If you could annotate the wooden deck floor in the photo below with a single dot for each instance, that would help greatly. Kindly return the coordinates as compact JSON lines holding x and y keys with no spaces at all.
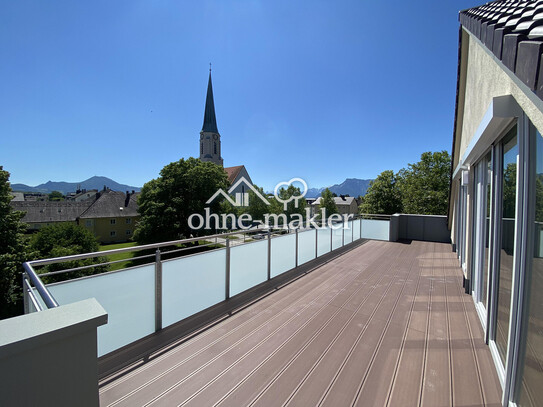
{"x":386,"y":324}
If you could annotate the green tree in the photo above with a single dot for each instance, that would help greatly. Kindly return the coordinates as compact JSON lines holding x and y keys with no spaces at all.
{"x":510,"y":190}
{"x":278,"y":206}
{"x":181,"y":190}
{"x":257,"y":208}
{"x":327,"y":202}
{"x":425,"y":184}
{"x":56,"y":196}
{"x":66,"y":239}
{"x":383,"y":195}
{"x":13,"y":252}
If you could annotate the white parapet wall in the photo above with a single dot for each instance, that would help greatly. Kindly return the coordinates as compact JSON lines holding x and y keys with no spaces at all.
{"x":49,"y":358}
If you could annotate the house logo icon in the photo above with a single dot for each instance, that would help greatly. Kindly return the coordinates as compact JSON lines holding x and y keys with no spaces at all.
{"x":241,"y":198}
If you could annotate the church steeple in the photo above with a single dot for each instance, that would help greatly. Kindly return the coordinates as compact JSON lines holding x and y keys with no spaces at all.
{"x":210,"y":121}
{"x":210,"y":139}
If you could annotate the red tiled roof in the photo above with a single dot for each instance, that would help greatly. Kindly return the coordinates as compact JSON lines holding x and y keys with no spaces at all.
{"x":233,"y":172}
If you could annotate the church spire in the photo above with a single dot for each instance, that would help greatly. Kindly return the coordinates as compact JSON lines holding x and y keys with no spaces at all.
{"x":210,"y":122}
{"x":210,"y":139}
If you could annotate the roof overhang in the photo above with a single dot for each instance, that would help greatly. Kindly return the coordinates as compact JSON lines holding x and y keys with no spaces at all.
{"x":501,"y":112}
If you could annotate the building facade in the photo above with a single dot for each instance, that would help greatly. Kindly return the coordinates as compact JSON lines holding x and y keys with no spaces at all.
{"x":496,"y":200}
{"x":113,"y":217}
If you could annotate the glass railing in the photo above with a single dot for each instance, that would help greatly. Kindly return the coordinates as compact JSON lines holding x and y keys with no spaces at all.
{"x":145,"y":298}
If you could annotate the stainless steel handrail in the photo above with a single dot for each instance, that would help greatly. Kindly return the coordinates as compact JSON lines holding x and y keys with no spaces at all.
{"x":50,"y":301}
{"x":46,"y":296}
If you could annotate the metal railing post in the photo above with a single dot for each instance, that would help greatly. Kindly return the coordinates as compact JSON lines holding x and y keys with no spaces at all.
{"x":316,"y":242}
{"x":25,"y":294}
{"x":361,"y":227}
{"x":352,"y":231}
{"x":158,"y":291}
{"x":227,"y":271}
{"x":343,"y":233}
{"x":269,"y":254}
{"x":296,"y":256}
{"x":331,"y":237}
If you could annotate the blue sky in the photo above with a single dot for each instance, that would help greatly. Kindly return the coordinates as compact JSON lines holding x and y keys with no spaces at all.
{"x":322,"y":90}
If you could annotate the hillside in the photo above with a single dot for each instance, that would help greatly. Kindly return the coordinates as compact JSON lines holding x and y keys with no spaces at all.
{"x":95,"y":182}
{"x":351,"y":186}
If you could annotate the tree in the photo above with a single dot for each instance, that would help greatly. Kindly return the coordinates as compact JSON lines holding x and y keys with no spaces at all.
{"x":327,"y":202}
{"x":425,"y":184}
{"x":181,"y":190}
{"x":510,"y":190}
{"x":56,"y":196}
{"x":256,"y":208}
{"x":383,"y":195}
{"x":13,"y":252}
{"x":66,"y":239}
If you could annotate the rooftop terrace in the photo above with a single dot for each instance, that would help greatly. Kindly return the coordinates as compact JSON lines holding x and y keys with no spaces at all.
{"x":383,"y":324}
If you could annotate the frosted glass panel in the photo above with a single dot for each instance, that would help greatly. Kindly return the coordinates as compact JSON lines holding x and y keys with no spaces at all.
{"x":356,"y":229}
{"x":128,"y":297}
{"x":337,"y":237}
{"x":283,"y":254}
{"x":306,"y":246}
{"x":248,"y":266}
{"x":192,"y":284}
{"x":375,"y":229}
{"x":323,"y":241}
{"x":349,"y":232}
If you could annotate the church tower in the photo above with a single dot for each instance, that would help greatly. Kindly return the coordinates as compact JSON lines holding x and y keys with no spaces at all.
{"x":210,"y":139}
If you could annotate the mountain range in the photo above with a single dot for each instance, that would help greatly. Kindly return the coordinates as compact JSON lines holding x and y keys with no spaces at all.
{"x":95,"y":182}
{"x":351,"y":186}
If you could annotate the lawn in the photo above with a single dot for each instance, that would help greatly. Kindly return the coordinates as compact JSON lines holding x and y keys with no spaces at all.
{"x":119,"y":256}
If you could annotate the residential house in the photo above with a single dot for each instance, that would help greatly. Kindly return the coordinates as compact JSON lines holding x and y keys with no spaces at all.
{"x":496,"y":199}
{"x":18,"y":196}
{"x":112,"y":217}
{"x":345,"y":205}
{"x":44,"y":213}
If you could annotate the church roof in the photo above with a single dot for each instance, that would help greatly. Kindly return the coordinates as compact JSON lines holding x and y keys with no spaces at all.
{"x":210,"y":121}
{"x":233,"y":172}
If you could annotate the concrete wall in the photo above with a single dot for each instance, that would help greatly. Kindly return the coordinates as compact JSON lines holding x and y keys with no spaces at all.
{"x":49,"y":358}
{"x":430,"y":228}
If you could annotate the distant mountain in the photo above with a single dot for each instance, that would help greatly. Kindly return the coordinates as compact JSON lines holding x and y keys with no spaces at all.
{"x":351,"y":186}
{"x":67,"y":187}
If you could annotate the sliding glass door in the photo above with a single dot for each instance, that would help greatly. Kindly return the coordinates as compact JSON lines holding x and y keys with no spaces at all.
{"x":530,"y":385}
{"x":481,"y":232}
{"x":505,"y":264}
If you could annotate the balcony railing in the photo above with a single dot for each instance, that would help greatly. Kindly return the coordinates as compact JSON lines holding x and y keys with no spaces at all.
{"x":143,"y":299}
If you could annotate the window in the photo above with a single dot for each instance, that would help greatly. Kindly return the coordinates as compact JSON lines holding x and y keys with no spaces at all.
{"x":112,"y":221}
{"x":128,"y":221}
{"x":481,"y":227}
{"x":88,"y":223}
{"x":508,"y":222}
{"x":112,"y":233}
{"x":215,"y":147}
{"x":530,"y":391}
{"x":201,"y":148}
{"x":128,"y":232}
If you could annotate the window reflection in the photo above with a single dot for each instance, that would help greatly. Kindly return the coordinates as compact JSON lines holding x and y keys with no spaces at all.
{"x":509,"y":195}
{"x":531,"y":387}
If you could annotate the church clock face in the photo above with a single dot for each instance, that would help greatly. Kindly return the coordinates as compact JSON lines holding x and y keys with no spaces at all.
{"x":215,"y":137}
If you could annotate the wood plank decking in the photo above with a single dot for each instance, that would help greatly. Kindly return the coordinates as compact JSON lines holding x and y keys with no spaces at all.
{"x":386,"y":324}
